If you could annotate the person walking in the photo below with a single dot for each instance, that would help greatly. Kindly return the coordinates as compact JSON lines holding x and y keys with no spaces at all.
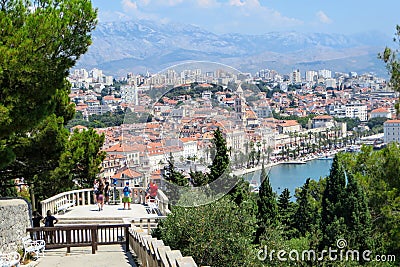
{"x":127,"y":196}
{"x":100,"y":195}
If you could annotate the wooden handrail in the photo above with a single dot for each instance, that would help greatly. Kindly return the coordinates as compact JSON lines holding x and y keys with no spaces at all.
{"x":82,"y":235}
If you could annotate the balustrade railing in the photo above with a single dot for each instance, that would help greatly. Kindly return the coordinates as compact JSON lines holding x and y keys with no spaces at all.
{"x":81,"y":235}
{"x":150,"y":252}
{"x":84,"y":197}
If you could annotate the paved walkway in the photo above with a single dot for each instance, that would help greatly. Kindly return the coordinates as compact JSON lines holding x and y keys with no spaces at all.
{"x":109,"y":211}
{"x":106,"y":256}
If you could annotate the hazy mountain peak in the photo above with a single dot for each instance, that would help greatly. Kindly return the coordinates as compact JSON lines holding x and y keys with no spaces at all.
{"x":119,"y":47}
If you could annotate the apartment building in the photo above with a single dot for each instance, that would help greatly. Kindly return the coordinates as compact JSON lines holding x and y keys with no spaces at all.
{"x":391,"y":130}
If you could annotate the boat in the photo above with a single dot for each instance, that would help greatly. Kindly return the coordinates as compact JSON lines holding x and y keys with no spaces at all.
{"x":353,"y":148}
{"x":326,"y":158}
{"x":254,"y":186}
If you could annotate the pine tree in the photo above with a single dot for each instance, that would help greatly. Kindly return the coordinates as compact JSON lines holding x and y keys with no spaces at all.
{"x":267,"y":206}
{"x":82,"y":158}
{"x":332,"y":221}
{"x":40,"y":42}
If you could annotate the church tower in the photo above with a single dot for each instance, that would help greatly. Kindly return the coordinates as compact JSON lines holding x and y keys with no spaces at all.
{"x":240,"y":105}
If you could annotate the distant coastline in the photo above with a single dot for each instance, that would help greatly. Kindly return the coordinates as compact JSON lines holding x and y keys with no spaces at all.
{"x":271,"y":164}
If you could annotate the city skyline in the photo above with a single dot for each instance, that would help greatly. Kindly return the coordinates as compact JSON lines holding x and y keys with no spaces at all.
{"x":257,"y":17}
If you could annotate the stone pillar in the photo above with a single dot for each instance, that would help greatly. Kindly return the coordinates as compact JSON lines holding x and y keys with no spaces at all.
{"x":16,"y":217}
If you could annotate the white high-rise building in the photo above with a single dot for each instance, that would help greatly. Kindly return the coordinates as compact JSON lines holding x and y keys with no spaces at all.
{"x":311,"y":76}
{"x":325,"y":74}
{"x":96,"y":74}
{"x":129,"y":94}
{"x":330,"y":83}
{"x":296,"y":76}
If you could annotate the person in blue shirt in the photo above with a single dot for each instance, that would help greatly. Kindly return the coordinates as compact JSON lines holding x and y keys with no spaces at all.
{"x":127,"y":199}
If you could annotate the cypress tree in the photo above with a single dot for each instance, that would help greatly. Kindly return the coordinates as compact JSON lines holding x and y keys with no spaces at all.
{"x":175,"y":180}
{"x":267,"y":206}
{"x":357,"y":216}
{"x":332,"y":221}
{"x":305,"y":215}
{"x":220,"y":162}
{"x":284,"y":200}
{"x":173,"y":176}
{"x":219,"y":178}
{"x":286,"y":212}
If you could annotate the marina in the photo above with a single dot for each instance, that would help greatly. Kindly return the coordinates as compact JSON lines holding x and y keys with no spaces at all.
{"x":291,"y":176}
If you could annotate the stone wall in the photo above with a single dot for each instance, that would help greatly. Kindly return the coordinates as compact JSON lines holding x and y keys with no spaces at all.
{"x":15,"y":218}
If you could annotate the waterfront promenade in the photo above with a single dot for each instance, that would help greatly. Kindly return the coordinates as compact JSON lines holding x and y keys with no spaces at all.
{"x":267,"y":166}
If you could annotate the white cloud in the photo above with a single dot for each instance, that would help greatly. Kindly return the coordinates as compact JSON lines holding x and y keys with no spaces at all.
{"x":128,"y":5}
{"x":207,"y":3}
{"x":174,"y":2}
{"x":236,"y":3}
{"x":322,"y":17}
{"x":245,"y":3}
{"x":253,"y":3}
{"x":144,"y":2}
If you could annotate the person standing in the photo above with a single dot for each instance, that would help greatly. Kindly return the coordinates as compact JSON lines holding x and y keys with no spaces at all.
{"x":49,"y":220}
{"x":95,"y":189}
{"x":127,"y":196}
{"x":100,"y":195}
{"x":107,"y":193}
{"x":37,"y":218}
{"x":151,"y":191}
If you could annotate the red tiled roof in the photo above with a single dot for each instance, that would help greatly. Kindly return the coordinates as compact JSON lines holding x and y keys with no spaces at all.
{"x":380,"y":110}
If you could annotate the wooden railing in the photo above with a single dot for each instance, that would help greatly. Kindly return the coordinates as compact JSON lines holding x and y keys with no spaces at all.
{"x":86,"y":197}
{"x":81,"y":235}
{"x":150,"y":251}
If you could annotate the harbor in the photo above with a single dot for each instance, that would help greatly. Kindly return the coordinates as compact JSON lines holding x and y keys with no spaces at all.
{"x":290,"y":174}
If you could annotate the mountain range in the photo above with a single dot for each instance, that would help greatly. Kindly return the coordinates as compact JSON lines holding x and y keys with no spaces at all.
{"x":143,"y":45}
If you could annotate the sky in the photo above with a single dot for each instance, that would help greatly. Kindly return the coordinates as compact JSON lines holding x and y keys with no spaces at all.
{"x":258,"y":17}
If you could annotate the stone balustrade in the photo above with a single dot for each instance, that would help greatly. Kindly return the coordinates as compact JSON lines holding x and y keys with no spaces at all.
{"x":152,"y":252}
